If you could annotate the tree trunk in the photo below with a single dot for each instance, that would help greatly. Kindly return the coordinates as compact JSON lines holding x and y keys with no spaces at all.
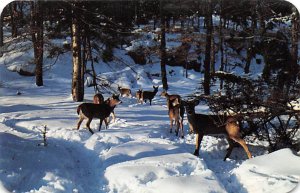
{"x":163,"y":59}
{"x":260,"y":13}
{"x":221,"y":41}
{"x":1,"y":31}
{"x":1,"y":35}
{"x":37,"y":40}
{"x":13,"y":15}
{"x":294,"y":48}
{"x":77,"y":81}
{"x":250,"y":53}
{"x":208,"y":21}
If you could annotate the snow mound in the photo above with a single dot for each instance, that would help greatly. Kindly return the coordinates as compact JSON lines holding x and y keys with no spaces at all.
{"x":165,"y":173}
{"x":276,"y":172}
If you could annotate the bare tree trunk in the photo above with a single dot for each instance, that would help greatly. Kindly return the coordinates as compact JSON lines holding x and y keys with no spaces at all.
{"x":260,"y":13}
{"x":13,"y":15}
{"x":221,"y":41}
{"x":37,"y":39}
{"x":208,"y":21}
{"x":250,"y":53}
{"x":163,"y":59}
{"x":294,"y":49}
{"x":212,"y":54}
{"x":1,"y":35}
{"x":96,"y":89}
{"x":77,"y":81}
{"x":1,"y":31}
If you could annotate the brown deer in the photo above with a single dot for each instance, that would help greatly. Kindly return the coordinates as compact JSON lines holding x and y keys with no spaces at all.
{"x":172,"y":98}
{"x":174,"y":115}
{"x":107,"y":101}
{"x":202,"y":124}
{"x":149,"y":95}
{"x":124,"y":91}
{"x":138,"y":95}
{"x":101,"y":111}
{"x":98,"y":98}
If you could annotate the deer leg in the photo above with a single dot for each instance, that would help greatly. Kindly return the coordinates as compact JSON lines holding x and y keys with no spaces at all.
{"x":199,"y":137}
{"x":181,"y":129}
{"x":101,"y":120}
{"x":243,"y":144}
{"x":171,"y":125}
{"x":79,"y":122}
{"x":177,"y":127}
{"x":230,"y":148}
{"x":106,"y":123}
{"x":150,"y":101}
{"x":113,"y":116}
{"x":88,"y":125}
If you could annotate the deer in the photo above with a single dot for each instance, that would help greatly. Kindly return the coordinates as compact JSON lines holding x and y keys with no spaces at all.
{"x":174,"y":115}
{"x":149,"y":95}
{"x":172,"y":98}
{"x":98,"y":98}
{"x":202,"y":124}
{"x":124,"y":91}
{"x":101,"y":111}
{"x":138,"y":95}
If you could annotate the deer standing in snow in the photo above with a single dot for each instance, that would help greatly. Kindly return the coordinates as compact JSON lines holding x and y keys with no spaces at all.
{"x":124,"y":91}
{"x":101,"y":111}
{"x":149,"y":95}
{"x":174,"y":115}
{"x":202,"y":124}
{"x":138,"y":95}
{"x":180,"y":107}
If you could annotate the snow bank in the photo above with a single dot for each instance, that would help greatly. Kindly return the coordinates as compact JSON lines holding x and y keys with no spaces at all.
{"x":276,"y":172}
{"x":180,"y":172}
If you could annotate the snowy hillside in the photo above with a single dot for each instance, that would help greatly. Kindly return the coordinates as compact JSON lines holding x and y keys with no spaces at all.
{"x":135,"y":154}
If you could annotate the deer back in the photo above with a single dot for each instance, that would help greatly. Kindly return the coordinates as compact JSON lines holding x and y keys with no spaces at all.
{"x":124,"y":91}
{"x":202,"y":123}
{"x":91,"y":110}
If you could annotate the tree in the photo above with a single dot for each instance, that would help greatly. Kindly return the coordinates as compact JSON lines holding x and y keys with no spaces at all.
{"x":208,"y":21}
{"x":1,"y":34}
{"x":77,"y":76}
{"x":37,"y":39}
{"x":163,"y":59}
{"x":294,"y":40}
{"x":13,"y":18}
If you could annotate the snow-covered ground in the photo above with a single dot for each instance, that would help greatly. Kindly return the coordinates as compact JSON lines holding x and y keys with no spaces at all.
{"x":135,"y":154}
